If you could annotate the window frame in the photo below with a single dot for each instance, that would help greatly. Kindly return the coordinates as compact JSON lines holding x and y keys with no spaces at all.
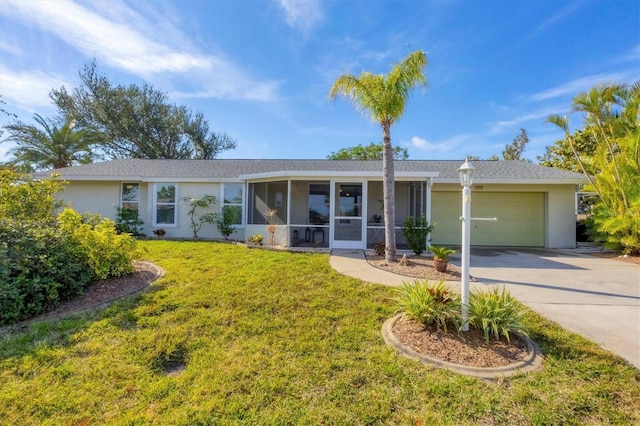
{"x":224,"y":204}
{"x":156,"y":187}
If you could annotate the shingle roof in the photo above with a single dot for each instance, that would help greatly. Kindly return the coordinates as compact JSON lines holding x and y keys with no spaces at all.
{"x":486,"y":171}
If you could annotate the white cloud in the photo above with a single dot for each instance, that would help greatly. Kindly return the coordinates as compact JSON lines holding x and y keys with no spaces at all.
{"x":124,"y":39}
{"x":443,"y":147}
{"x":537,"y":116}
{"x":27,"y":90}
{"x":302,"y":14}
{"x":580,"y":85}
{"x":556,"y":17}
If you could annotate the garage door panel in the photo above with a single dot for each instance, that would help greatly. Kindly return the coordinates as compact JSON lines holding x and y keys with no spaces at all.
{"x":520,"y":218}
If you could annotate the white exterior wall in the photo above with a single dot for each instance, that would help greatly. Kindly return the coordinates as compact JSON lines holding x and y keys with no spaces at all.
{"x":561,"y":217}
{"x":103,"y":198}
{"x":95,"y":197}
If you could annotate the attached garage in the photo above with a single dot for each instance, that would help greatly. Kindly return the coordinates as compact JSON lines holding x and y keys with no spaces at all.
{"x":521,"y":218}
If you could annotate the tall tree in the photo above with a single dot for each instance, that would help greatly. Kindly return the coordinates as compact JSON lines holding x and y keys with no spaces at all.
{"x":373,"y":151}
{"x":139,"y":121}
{"x":613,"y":170}
{"x":561,"y":156}
{"x":383,"y":99}
{"x":516,"y":148}
{"x":52,"y":145}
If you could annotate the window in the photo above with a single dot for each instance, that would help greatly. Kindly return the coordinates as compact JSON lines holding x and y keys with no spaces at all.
{"x":319,"y":204}
{"x":130,"y":198}
{"x":165,"y":204}
{"x":232,"y":200}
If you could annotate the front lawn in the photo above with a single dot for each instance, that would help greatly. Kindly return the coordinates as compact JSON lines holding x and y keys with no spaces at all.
{"x":280,"y":338}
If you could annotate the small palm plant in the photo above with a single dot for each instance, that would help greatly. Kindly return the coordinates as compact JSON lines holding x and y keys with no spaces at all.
{"x":496,"y":312}
{"x":429,"y":303}
{"x":441,"y":257}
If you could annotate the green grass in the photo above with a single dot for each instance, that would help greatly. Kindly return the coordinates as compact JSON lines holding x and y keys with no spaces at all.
{"x":280,"y":338}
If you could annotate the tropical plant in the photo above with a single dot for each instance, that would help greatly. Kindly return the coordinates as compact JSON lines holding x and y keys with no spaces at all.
{"x":271,"y":228}
{"x":373,"y":151}
{"x":429,"y":303}
{"x":496,"y":312}
{"x":383,"y":99}
{"x":613,"y":170}
{"x":224,"y":221}
{"x":52,"y":146}
{"x":442,"y":253}
{"x":415,"y":231}
{"x":204,"y":202}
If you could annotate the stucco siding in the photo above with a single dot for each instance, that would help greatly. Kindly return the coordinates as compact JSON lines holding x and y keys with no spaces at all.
{"x":95,"y":197}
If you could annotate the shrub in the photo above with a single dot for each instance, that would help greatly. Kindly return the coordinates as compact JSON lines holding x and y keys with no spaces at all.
{"x":128,"y":222}
{"x":429,"y":303}
{"x":108,"y":253}
{"x":379,"y":248}
{"x":26,"y":199}
{"x":160,"y":232}
{"x":415,"y":231}
{"x":224,"y":221}
{"x":496,"y":312}
{"x":255,"y":239}
{"x":40,"y":266}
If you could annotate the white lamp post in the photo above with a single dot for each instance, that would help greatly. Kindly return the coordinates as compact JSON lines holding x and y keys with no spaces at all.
{"x":466,"y":179}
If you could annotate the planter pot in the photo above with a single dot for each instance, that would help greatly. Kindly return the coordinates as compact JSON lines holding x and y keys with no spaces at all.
{"x":440,"y":265}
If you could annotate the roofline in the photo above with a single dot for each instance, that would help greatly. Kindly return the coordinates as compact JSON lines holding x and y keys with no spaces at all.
{"x":547,"y":181}
{"x":332,"y":174}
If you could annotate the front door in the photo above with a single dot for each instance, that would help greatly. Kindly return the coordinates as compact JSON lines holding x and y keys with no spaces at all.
{"x":347,"y":216}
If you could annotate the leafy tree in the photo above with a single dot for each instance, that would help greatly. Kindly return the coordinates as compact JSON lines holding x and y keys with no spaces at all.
{"x":54,"y":145}
{"x":383,"y":99}
{"x":372,"y":151}
{"x":512,"y":151}
{"x":560,"y":155}
{"x":613,"y":171}
{"x":515,"y":150}
{"x":138,"y":121}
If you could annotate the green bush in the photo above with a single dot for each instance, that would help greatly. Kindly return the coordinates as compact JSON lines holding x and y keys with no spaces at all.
{"x":429,"y":303}
{"x":224,"y":221}
{"x":415,"y":231}
{"x":496,"y":312}
{"x":40,"y":266}
{"x":108,"y":253}
{"x":255,"y":239}
{"x":25,"y":199}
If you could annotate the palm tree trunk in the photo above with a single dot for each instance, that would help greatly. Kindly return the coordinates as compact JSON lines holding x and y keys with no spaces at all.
{"x":388,"y":187}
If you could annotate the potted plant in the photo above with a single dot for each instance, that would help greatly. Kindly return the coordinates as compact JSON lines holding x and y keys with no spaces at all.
{"x":441,"y":257}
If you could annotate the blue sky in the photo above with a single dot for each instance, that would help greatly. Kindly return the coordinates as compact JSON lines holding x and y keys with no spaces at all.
{"x":261,"y":70}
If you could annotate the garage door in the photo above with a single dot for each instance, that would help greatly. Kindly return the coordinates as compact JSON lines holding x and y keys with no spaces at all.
{"x":520,"y":218}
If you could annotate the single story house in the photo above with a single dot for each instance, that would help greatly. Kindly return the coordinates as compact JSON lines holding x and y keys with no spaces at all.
{"x":334,"y":204}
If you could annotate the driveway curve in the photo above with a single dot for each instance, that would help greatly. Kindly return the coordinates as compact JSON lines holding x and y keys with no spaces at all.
{"x":598,"y":298}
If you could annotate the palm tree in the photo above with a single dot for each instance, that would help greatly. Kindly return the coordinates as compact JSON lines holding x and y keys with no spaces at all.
{"x":383,"y":98}
{"x":51,"y":147}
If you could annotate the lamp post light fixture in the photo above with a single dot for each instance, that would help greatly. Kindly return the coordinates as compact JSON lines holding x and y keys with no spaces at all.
{"x":466,"y":172}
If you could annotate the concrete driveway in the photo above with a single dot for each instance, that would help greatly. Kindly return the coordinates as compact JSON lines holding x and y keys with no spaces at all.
{"x":597,"y":298}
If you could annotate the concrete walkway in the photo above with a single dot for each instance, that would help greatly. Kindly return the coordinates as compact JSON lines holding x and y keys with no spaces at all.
{"x":597,"y":298}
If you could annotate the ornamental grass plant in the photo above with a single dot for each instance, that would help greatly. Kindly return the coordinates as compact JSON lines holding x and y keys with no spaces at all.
{"x":496,"y":313}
